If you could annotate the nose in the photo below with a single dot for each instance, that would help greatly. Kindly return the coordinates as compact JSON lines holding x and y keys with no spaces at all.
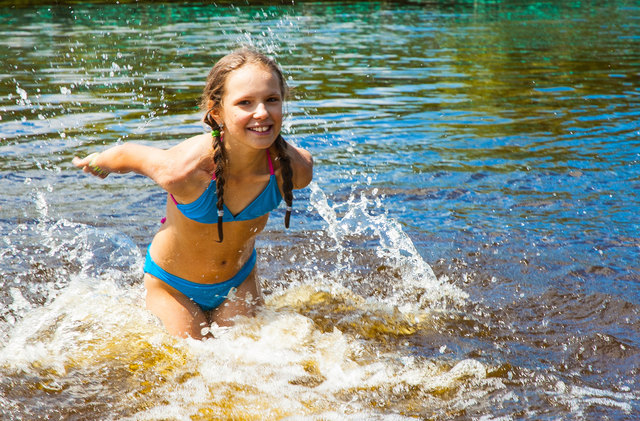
{"x":260,"y":111}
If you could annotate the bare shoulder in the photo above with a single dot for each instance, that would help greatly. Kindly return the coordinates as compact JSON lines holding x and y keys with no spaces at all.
{"x":301,"y":165}
{"x":191,"y":149}
{"x":188,"y":161}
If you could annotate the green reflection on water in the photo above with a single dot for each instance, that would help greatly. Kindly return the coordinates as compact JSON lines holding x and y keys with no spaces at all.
{"x":448,"y":72}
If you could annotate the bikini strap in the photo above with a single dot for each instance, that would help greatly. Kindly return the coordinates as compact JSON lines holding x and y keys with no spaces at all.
{"x":163,"y":220}
{"x":270,"y":163}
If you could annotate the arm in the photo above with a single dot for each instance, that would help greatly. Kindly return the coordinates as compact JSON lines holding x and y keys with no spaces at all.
{"x":129,"y":157}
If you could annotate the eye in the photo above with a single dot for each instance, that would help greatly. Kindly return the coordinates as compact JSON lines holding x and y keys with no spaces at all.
{"x":273,"y":99}
{"x":244,"y":102}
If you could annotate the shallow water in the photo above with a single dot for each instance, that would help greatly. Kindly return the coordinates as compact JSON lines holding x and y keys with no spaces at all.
{"x":468,"y":248}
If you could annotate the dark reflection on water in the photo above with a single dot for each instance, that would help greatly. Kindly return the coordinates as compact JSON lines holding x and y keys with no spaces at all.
{"x":503,"y":136}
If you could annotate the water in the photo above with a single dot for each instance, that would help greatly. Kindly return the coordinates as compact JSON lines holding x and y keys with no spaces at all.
{"x":468,"y":248}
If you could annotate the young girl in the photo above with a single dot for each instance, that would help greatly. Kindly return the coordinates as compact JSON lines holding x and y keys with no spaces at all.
{"x":200,"y":266}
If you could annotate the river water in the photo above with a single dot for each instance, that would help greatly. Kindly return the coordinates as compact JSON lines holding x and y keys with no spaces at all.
{"x":468,"y":249}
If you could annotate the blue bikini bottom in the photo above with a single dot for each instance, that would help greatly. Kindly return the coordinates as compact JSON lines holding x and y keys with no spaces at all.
{"x":207,"y":296}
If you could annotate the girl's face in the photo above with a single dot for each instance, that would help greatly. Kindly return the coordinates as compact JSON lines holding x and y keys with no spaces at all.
{"x":251,"y":106}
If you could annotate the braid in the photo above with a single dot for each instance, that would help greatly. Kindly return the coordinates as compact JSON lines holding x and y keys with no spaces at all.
{"x":220,"y":159}
{"x":287,"y":176}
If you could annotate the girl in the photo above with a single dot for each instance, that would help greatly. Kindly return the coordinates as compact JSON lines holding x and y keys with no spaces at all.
{"x":200,"y":266}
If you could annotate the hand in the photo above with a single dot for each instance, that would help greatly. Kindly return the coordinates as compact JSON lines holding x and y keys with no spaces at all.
{"x":88,"y":164}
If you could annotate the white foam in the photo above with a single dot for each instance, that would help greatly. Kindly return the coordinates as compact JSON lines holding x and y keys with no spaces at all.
{"x":279,"y":365}
{"x":581,"y":398}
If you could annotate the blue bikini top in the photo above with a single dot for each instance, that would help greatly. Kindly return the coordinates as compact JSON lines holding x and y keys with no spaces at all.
{"x":204,"y":208}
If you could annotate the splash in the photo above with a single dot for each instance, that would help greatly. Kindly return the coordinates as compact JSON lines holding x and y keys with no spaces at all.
{"x":288,"y":361}
{"x":33,"y":274}
{"x":414,"y":285}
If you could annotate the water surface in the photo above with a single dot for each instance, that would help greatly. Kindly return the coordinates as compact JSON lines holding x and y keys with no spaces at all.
{"x":468,"y":248}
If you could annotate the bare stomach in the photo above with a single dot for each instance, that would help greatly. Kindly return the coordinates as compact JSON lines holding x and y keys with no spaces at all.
{"x":191,"y":250}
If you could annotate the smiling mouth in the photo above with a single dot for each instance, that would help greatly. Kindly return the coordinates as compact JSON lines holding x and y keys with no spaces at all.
{"x":260,"y":129}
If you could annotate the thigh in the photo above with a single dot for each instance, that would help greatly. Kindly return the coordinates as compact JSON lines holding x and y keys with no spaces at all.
{"x":180,"y":316}
{"x":241,"y":303}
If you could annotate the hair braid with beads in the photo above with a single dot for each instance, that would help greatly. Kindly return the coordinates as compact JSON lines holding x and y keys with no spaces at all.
{"x":212,"y":100}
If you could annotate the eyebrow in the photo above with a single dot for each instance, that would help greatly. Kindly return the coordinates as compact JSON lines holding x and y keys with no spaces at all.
{"x":252,"y":96}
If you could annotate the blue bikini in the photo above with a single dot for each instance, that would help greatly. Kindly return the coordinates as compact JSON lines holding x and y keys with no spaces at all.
{"x":207,"y":296}
{"x":204,"y":210}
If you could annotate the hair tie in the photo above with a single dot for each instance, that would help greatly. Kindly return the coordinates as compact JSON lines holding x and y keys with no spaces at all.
{"x":221,"y":212}
{"x":215,"y":133}
{"x":96,"y":169}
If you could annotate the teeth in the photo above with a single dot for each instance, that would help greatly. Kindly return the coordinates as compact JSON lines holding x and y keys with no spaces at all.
{"x":260,"y":129}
